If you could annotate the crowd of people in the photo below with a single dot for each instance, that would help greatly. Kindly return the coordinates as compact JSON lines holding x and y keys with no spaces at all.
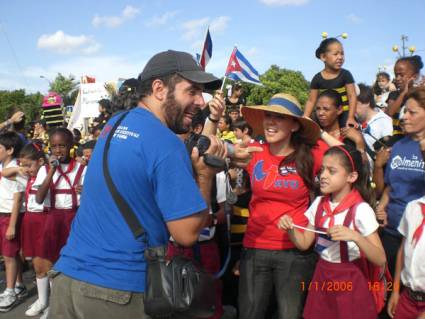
{"x":319,"y":213}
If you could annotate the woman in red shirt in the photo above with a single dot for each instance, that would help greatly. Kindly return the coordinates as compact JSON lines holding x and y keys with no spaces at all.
{"x":282,"y":180}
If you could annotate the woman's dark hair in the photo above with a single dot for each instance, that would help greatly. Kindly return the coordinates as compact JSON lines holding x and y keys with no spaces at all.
{"x":333,"y":95}
{"x":242,"y":125}
{"x":323,"y":47}
{"x":12,"y":140}
{"x":362,"y":184}
{"x":376,"y":89}
{"x":303,"y":159}
{"x":415,"y":61}
{"x":67,"y":134}
{"x":33,"y":151}
{"x":417,"y":94}
{"x":106,"y":104}
{"x":236,"y":86}
{"x":366,"y":95}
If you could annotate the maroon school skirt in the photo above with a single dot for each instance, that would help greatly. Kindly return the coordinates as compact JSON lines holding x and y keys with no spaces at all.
{"x":57,"y":228}
{"x":32,"y":233}
{"x":339,"y":291}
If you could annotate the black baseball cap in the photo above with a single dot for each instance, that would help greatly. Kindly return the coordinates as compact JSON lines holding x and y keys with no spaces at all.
{"x":181,"y":63}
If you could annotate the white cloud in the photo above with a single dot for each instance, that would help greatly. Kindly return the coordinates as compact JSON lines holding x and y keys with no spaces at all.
{"x":161,"y":20}
{"x":61,"y":42}
{"x":219,"y":24}
{"x":252,"y":52}
{"x":354,"y":18}
{"x":284,"y":2}
{"x":128,"y":13}
{"x":193,"y":30}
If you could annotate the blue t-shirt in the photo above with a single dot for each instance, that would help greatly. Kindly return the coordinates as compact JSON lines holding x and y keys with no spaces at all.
{"x":405,"y":174}
{"x":151,"y":169}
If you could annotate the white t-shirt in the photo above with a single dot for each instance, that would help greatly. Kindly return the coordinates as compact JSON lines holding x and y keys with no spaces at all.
{"x":207,"y":233}
{"x":413,"y":273}
{"x":32,"y":205}
{"x":10,"y":186}
{"x":63,"y":201}
{"x":366,"y":224}
{"x":380,"y":125}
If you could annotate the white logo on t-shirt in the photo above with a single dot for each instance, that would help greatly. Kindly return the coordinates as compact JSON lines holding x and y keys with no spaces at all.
{"x":403,"y":163}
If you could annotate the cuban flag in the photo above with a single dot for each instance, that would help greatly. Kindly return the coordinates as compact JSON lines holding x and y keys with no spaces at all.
{"x":239,"y":69}
{"x":206,"y":51}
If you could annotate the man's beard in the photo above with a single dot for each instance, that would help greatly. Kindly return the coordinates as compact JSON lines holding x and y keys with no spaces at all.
{"x":174,"y":115}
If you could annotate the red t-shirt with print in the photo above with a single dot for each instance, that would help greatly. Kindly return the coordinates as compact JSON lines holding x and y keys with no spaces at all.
{"x":274,"y":195}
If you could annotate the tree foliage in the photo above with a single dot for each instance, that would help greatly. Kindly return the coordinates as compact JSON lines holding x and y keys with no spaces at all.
{"x":30,"y":104}
{"x":277,"y":80}
{"x":65,"y":87}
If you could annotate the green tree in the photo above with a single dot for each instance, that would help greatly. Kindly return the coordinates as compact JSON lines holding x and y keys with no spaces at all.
{"x":277,"y":80}
{"x":65,"y":87}
{"x":30,"y":104}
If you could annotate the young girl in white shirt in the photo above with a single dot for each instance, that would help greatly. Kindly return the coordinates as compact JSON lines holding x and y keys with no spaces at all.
{"x":410,"y":265}
{"x":63,"y":181}
{"x":347,"y":225}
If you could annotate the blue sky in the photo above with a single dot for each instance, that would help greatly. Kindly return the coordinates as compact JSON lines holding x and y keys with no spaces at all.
{"x":113,"y":39}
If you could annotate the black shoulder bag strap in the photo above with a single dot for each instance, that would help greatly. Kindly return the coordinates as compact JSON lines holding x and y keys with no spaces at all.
{"x":126,"y":211}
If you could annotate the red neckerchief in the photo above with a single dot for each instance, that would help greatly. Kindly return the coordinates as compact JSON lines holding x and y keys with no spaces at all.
{"x":28,"y":189}
{"x":349,"y":200}
{"x":70,"y":168}
{"x":418,"y":232}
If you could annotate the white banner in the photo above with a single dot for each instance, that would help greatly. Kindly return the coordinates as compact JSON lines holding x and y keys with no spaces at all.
{"x":91,"y":93}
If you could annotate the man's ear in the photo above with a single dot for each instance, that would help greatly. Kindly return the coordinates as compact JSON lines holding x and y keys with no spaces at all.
{"x":159,"y":90}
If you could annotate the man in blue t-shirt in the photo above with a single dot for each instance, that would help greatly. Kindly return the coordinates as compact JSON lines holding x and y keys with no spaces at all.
{"x":102,"y":267}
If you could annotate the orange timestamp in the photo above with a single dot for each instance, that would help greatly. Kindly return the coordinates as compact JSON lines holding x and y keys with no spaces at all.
{"x":344,"y":285}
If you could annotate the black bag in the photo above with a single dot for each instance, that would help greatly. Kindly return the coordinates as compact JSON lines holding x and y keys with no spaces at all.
{"x":174,"y":286}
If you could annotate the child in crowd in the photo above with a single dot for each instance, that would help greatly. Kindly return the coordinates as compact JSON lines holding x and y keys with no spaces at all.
{"x":11,"y":194}
{"x":63,"y":181}
{"x":242,"y":131}
{"x":333,"y":76}
{"x":410,"y":265}
{"x":224,"y":129}
{"x":406,"y":71}
{"x":87,"y":150}
{"x":33,"y":159}
{"x":348,"y":226}
{"x":234,"y":113}
{"x":382,"y":89}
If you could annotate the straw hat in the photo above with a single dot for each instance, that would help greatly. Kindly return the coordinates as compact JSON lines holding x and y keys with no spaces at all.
{"x":283,"y":104}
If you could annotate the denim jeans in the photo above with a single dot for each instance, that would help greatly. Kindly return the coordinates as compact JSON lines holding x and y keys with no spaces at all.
{"x":284,"y":271}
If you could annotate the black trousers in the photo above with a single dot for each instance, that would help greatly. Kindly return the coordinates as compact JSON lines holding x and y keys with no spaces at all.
{"x":286,"y":272}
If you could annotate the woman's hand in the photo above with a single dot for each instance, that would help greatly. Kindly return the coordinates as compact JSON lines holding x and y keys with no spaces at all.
{"x":343,"y":233}
{"x":392,"y":303}
{"x":285,"y":223}
{"x":352,"y":123}
{"x":382,"y":157}
{"x":381,"y":215}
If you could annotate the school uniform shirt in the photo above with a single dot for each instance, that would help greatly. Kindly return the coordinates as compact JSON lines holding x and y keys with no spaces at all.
{"x":32,"y":205}
{"x":413,"y":273}
{"x":405,"y":174}
{"x":274,"y":194}
{"x":10,"y":186}
{"x":379,"y":125}
{"x":364,"y":221}
{"x":63,"y":201}
{"x":338,"y":84}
